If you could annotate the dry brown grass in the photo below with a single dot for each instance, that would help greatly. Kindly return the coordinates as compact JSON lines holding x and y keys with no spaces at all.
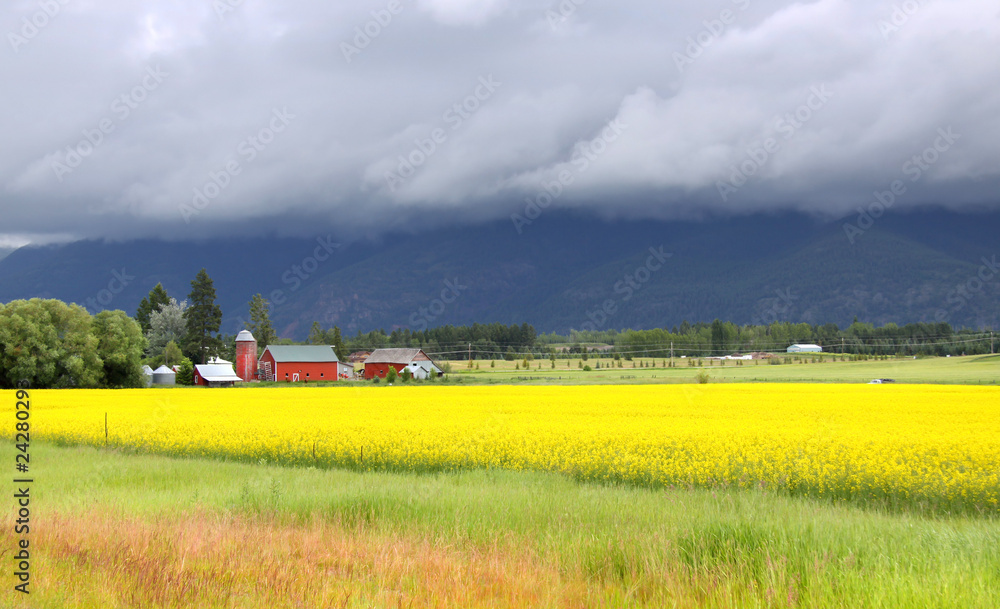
{"x":202,"y":559}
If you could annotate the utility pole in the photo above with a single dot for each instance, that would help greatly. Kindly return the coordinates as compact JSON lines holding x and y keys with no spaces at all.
{"x":991,"y":343}
{"x":470,"y":353}
{"x":671,"y":350}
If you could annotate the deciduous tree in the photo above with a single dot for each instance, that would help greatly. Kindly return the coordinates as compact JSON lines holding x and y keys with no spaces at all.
{"x":165,"y":326}
{"x":120,"y":345}
{"x":49,"y":344}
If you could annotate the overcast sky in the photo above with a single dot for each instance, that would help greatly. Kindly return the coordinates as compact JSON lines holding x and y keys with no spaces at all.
{"x":303,"y":115}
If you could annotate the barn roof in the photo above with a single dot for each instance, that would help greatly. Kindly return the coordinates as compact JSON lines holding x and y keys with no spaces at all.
{"x":217,"y":373}
{"x":303,"y":353}
{"x":394,"y":356}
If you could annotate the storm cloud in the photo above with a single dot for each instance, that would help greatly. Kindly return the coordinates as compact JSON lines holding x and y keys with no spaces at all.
{"x":190,"y":119}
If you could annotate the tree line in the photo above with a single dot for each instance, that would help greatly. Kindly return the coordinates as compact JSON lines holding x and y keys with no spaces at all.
{"x":724,"y":338}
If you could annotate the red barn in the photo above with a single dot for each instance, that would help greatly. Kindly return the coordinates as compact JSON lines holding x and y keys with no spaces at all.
{"x":302,"y":363}
{"x":416,"y":360}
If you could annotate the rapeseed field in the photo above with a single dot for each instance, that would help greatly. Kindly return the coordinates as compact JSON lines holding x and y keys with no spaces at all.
{"x":906,"y":444}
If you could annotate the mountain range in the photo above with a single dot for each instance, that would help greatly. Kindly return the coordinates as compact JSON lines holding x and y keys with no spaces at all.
{"x":559,"y":272}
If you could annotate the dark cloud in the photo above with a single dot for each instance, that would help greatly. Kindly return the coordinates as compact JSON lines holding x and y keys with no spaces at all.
{"x":190,"y":119}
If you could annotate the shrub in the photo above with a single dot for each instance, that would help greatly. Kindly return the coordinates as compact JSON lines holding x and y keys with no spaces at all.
{"x":185,"y":376}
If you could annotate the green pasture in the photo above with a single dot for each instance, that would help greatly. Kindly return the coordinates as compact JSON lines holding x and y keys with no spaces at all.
{"x":616,"y":546}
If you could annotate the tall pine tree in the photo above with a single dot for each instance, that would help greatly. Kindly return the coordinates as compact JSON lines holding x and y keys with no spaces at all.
{"x":337,"y":343}
{"x":260,"y":322}
{"x":316,"y":334}
{"x":152,"y":303}
{"x":203,"y":319}
{"x":718,"y":337}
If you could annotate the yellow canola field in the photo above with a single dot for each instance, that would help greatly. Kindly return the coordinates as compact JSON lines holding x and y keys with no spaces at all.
{"x":909,"y":443}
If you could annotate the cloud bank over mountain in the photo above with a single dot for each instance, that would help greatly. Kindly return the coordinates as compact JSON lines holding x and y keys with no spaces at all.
{"x":193,"y":119}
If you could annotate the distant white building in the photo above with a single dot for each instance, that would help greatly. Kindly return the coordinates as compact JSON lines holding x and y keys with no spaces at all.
{"x":805,"y":349}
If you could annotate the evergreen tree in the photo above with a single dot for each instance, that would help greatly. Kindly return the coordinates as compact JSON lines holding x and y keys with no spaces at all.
{"x":337,"y":343}
{"x":152,"y":303}
{"x":260,"y":322}
{"x":203,"y":319}
{"x":718,"y":337}
{"x":316,"y":334}
{"x":185,"y":375}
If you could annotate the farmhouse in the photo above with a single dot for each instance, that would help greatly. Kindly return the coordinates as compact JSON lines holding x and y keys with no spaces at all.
{"x":302,"y":363}
{"x":805,"y":349}
{"x":359,"y":357}
{"x":215,"y":375}
{"x":419,"y":365}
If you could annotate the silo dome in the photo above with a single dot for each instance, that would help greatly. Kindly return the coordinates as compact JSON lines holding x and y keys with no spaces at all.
{"x":164,"y":376}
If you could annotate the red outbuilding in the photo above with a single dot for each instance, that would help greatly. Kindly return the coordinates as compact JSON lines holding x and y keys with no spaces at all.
{"x":216,"y":373}
{"x":302,"y":364}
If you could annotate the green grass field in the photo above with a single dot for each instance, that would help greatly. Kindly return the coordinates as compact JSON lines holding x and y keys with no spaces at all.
{"x":973,"y":370}
{"x":114,"y":530}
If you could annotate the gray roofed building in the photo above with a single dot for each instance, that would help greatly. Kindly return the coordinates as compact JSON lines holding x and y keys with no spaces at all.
{"x":215,"y":375}
{"x":302,"y":353}
{"x":395,"y":356}
{"x":800,"y":348}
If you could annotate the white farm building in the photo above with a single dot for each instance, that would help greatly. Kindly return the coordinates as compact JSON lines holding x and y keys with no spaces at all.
{"x":805,"y":349}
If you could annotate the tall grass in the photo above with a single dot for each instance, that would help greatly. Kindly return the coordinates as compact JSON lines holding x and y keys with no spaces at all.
{"x":118,"y":530}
